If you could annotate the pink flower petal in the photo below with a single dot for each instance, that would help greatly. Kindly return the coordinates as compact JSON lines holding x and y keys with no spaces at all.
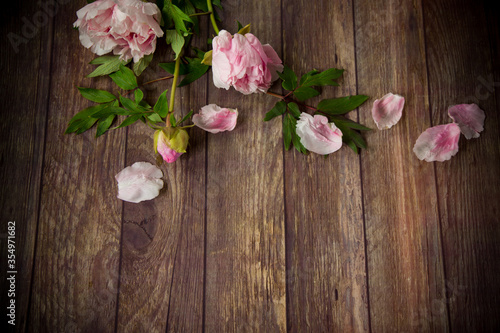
{"x":387,"y":111}
{"x":138,"y":182}
{"x":438,"y":143}
{"x":469,"y":117}
{"x":214,"y":119}
{"x":317,"y":135}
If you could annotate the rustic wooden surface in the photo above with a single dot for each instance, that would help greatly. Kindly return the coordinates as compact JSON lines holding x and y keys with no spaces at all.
{"x":247,"y":237}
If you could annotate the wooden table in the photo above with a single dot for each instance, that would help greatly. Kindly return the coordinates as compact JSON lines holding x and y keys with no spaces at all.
{"x":247,"y":237}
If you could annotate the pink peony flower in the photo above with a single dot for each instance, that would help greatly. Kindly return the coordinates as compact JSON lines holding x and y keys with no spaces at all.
{"x":438,"y":143}
{"x":469,"y":117}
{"x":138,"y":182}
{"x":214,"y":119}
{"x":387,"y":111}
{"x":243,"y":62}
{"x":171,"y":143}
{"x":317,"y":135}
{"x":127,"y":27}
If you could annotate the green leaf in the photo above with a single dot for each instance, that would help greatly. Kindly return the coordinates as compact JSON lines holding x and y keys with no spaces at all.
{"x":186,"y":117}
{"x":155,"y":117}
{"x":103,"y":125}
{"x":83,"y":118}
{"x":176,"y":40}
{"x":207,"y":58}
{"x":294,"y":109}
{"x":129,"y":120}
{"x":244,"y":30}
{"x":289,"y":78}
{"x":341,"y":105}
{"x":353,"y":146}
{"x":170,"y":67}
{"x":112,"y":110}
{"x":138,"y":95}
{"x":217,"y":3}
{"x":307,"y":76}
{"x":303,"y":93}
{"x":172,"y":120}
{"x":325,"y":78}
{"x":108,"y":65}
{"x":196,"y":70}
{"x":131,"y":105}
{"x":124,"y":78}
{"x":96,"y":95}
{"x":349,"y":123}
{"x":142,"y":64}
{"x":348,"y":135}
{"x":290,"y":134}
{"x":278,"y":109}
{"x":240,"y":26}
{"x":161,"y":106}
{"x":200,"y":4}
{"x":175,"y":14}
{"x":287,"y":132}
{"x":85,"y":125}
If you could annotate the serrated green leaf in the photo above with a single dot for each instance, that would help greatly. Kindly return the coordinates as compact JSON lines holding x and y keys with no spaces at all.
{"x":96,"y":95}
{"x":322,"y":78}
{"x":129,"y":120}
{"x":103,"y":125}
{"x":108,"y":65}
{"x":196,"y":70}
{"x":176,"y":40}
{"x":294,"y":109}
{"x":278,"y":109}
{"x":155,"y":117}
{"x":289,"y":78}
{"x":161,"y":106}
{"x":186,"y":117}
{"x":303,"y":93}
{"x":124,"y":78}
{"x":138,"y":95}
{"x":81,"y":117}
{"x":336,"y":106}
{"x":142,"y":64}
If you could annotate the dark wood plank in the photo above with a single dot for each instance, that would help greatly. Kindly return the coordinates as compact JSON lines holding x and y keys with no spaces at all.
{"x":162,"y":270}
{"x":326,"y":280}
{"x":405,"y":269}
{"x":245,"y":269}
{"x":25,"y":83}
{"x":77,"y":253}
{"x":461,"y":71}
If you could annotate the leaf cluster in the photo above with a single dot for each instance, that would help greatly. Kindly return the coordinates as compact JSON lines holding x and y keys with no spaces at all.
{"x":333,"y":108}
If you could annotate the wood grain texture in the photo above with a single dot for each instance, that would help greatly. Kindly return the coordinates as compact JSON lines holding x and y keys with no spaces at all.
{"x":326,"y":280}
{"x":25,"y":85}
{"x":76,"y":270}
{"x":162,"y":266}
{"x":405,"y":270}
{"x":461,"y":71}
{"x":245,"y":258}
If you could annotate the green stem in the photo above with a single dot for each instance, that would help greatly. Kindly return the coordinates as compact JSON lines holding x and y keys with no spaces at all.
{"x":287,"y":97}
{"x":199,"y":14}
{"x":174,"y":86}
{"x":212,"y":16}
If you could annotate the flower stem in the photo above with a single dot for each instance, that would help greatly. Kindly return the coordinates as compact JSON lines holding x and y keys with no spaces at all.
{"x":199,"y":14}
{"x":212,"y":16}
{"x":172,"y":92}
{"x":287,"y":96}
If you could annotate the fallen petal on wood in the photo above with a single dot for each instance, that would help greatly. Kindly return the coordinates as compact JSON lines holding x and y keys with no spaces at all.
{"x":438,"y":143}
{"x":469,"y":117}
{"x":139,"y":182}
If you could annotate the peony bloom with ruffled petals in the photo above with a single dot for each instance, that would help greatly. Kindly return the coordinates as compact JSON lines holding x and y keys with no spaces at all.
{"x":138,"y":182}
{"x":317,"y":135}
{"x":469,"y":117}
{"x":129,"y":28}
{"x":387,"y":111}
{"x":242,"y":62}
{"x":171,"y":143}
{"x":214,"y":119}
{"x":438,"y":143}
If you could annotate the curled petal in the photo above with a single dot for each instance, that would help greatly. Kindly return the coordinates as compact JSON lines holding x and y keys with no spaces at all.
{"x":387,"y":111}
{"x":317,"y":135}
{"x":214,"y":119}
{"x":438,"y":143}
{"x":138,"y":182}
{"x":469,"y":117}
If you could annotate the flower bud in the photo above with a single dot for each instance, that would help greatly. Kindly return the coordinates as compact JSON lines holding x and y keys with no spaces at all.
{"x":171,"y":143}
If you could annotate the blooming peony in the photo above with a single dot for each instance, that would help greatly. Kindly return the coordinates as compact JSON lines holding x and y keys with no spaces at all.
{"x":138,"y":182}
{"x":243,"y":62}
{"x":438,"y":143}
{"x":387,"y":111}
{"x":317,"y":135}
{"x":214,"y":119}
{"x":171,"y":143}
{"x":127,"y":27}
{"x":469,"y":117}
